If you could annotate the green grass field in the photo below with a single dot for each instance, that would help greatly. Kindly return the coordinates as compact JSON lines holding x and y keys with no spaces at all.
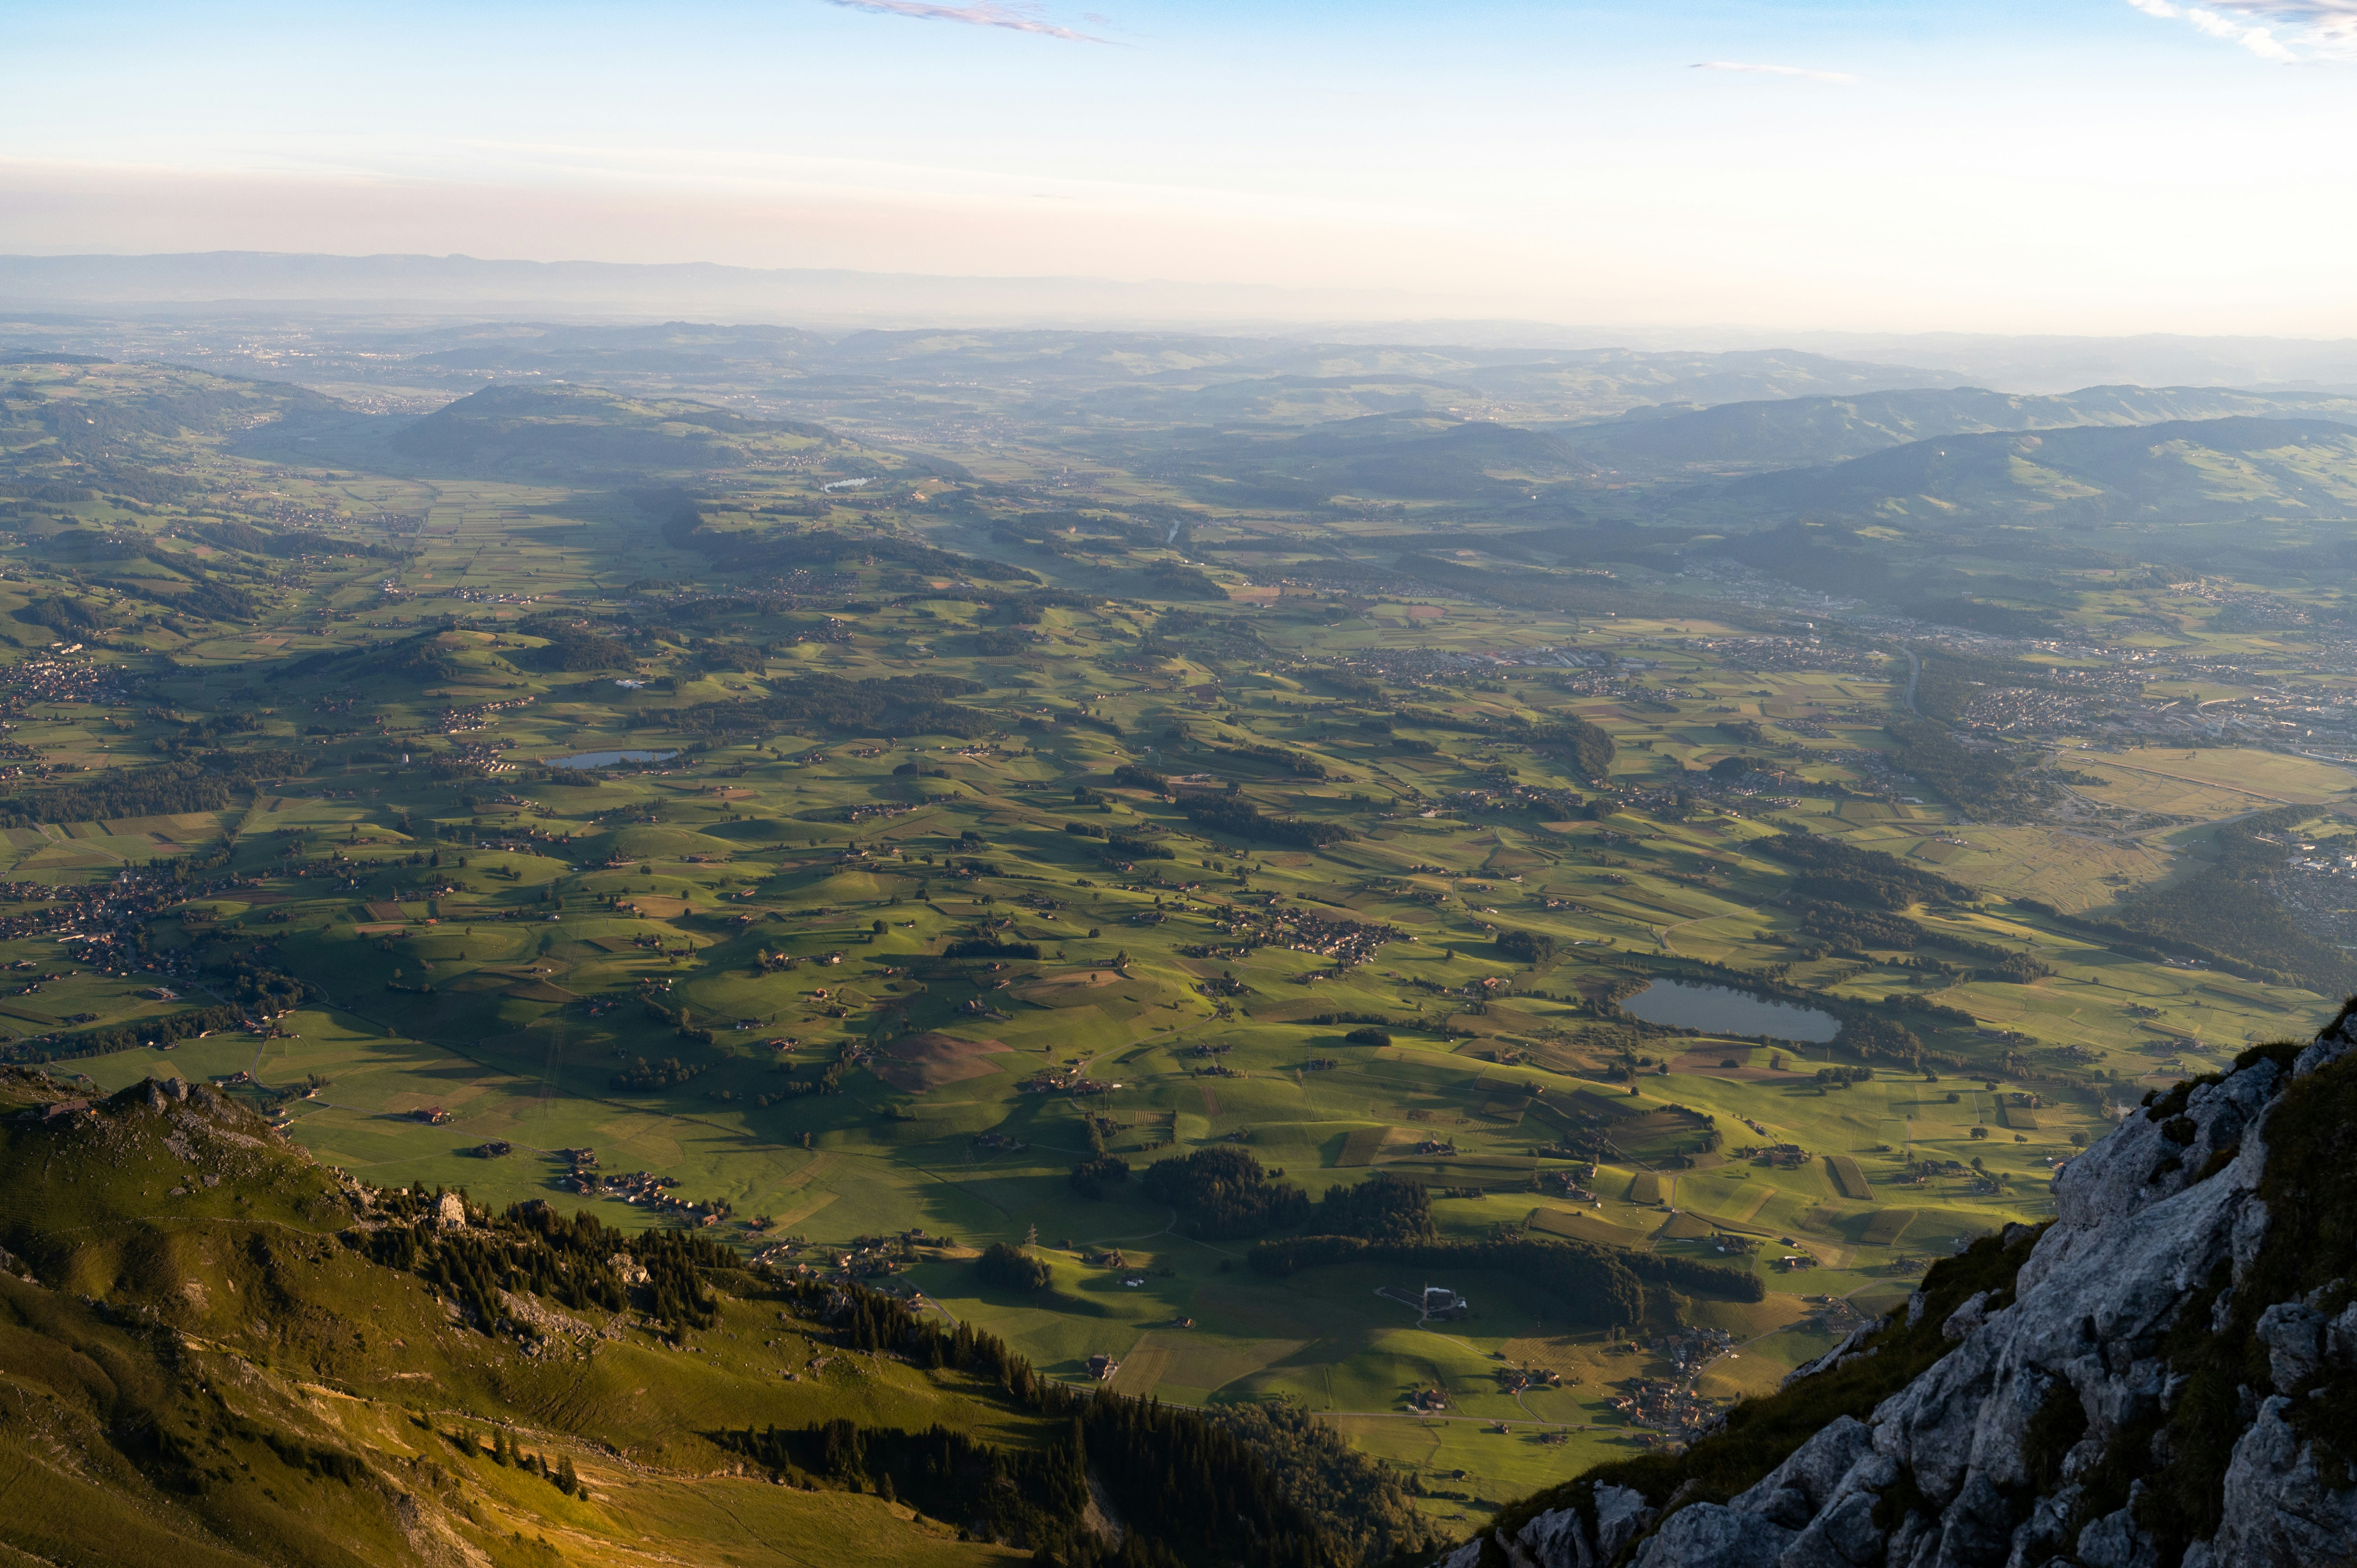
{"x":483,"y":936}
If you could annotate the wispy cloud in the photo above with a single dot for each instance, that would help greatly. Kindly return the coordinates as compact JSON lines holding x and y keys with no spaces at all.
{"x":1015,"y":17}
{"x":1840,"y":76}
{"x":2260,"y":41}
{"x":2286,"y":32}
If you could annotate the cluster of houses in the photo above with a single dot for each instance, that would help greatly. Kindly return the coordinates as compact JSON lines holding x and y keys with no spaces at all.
{"x":1782,"y":1156}
{"x":1834,"y":1315}
{"x":1920,"y":1174}
{"x":1666,"y":1406}
{"x":642,"y":1187}
{"x":1347,"y":942}
{"x":1692,"y":1349}
{"x":869,"y":1257}
{"x":104,"y":921}
{"x":458,"y":721}
{"x":57,"y":675}
{"x":1519,"y":1380}
{"x":1066,"y":1080}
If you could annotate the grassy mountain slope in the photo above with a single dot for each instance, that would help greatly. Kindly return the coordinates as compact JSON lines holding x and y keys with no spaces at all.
{"x":67,"y":429}
{"x":2177,"y":472}
{"x":212,"y":1348}
{"x":193,"y":1372}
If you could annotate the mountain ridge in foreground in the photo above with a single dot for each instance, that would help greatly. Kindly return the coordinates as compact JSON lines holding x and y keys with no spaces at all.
{"x":2164,"y":1376}
{"x":216,"y":1352}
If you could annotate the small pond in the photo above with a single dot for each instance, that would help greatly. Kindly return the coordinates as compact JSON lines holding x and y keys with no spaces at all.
{"x":608,"y":759}
{"x":1725,"y":1012}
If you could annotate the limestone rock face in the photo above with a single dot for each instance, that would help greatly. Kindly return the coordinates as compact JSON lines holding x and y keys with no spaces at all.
{"x":2030,"y":1441}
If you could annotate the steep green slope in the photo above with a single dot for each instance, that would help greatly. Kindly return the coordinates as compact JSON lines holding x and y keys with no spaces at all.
{"x":212,"y":1349}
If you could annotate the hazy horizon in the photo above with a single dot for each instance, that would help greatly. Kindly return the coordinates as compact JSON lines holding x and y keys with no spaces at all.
{"x":2100,"y":168}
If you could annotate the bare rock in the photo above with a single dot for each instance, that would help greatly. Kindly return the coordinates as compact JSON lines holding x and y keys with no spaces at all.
{"x":2294,"y":1336}
{"x":1721,"y":1536}
{"x":2279,"y":1509}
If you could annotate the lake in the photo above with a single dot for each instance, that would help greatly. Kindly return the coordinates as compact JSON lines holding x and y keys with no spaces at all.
{"x":608,"y":759}
{"x":1725,"y":1012}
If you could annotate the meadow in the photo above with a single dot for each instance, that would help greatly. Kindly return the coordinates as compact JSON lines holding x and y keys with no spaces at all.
{"x":951,"y":863}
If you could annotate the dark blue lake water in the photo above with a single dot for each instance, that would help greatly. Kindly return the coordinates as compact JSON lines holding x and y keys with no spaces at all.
{"x":1725,"y":1012}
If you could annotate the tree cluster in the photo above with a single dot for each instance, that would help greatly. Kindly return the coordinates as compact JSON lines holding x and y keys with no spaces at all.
{"x":1090,"y":1178}
{"x":1011,"y":1268}
{"x":1598,"y":1287}
{"x":1384,"y":1208}
{"x":643,"y":1077}
{"x":1838,"y":874}
{"x":1232,"y":814}
{"x":1225,"y":1193}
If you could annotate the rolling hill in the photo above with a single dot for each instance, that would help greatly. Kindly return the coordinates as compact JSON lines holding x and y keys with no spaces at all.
{"x":70,"y":424}
{"x":1792,"y":432}
{"x":2177,"y":472}
{"x":512,"y":429}
{"x":1419,"y":456}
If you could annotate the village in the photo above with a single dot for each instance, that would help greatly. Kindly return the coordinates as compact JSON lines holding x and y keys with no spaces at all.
{"x":1666,"y":1405}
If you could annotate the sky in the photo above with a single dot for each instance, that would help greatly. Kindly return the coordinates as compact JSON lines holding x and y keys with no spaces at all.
{"x":2063,"y":167}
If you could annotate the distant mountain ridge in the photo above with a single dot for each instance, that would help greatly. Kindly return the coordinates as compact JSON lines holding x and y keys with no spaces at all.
{"x":2204,"y":470}
{"x":1797,"y":431}
{"x":464,"y":284}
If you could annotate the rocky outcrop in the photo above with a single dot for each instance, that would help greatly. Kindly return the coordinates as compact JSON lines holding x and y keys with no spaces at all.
{"x":2163,"y":1381}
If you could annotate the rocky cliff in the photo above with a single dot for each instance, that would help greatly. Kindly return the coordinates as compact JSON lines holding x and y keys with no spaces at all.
{"x":2165,"y":1376}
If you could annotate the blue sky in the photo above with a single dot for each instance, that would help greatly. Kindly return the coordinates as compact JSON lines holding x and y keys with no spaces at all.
{"x":2075,"y":165}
